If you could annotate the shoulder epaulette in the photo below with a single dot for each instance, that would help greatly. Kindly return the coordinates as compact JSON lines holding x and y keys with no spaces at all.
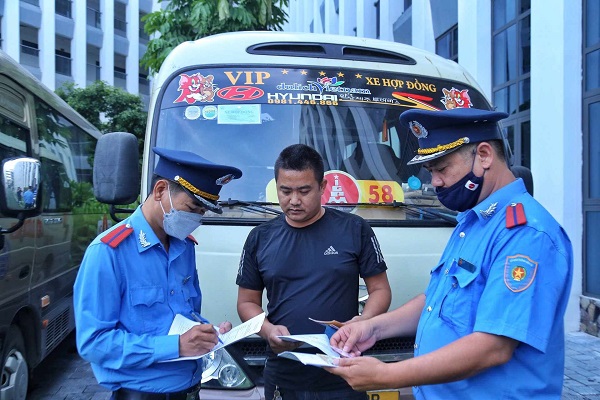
{"x":117,"y":235}
{"x":193,"y":239}
{"x":515,"y":215}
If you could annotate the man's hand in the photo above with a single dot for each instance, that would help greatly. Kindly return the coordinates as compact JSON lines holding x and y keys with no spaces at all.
{"x":278,"y":345}
{"x":197,"y":341}
{"x":361,"y":373}
{"x":354,"y":338}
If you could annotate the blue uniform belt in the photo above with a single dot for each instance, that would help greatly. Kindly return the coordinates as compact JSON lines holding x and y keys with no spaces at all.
{"x":128,"y":394}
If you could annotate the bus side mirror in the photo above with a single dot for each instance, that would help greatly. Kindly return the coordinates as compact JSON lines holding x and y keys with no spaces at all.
{"x":116,"y":169}
{"x":21,"y":189}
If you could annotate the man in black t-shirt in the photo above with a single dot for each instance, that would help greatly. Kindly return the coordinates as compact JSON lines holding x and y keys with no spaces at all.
{"x":309,"y":260}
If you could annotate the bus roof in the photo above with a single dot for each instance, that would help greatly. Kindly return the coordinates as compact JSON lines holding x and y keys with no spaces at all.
{"x":309,"y":49}
{"x":13,"y":70}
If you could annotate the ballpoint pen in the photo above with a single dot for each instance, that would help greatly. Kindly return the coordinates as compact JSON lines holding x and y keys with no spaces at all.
{"x":202,"y":320}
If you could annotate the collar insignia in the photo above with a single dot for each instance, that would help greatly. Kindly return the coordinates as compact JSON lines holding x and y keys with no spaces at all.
{"x":490,"y":210}
{"x":143,"y":241}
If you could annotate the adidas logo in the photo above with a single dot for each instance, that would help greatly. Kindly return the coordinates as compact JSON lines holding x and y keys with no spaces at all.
{"x":330,"y":251}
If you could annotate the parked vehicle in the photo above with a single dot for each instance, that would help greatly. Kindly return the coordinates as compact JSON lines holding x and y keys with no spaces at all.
{"x":47,"y":219}
{"x":240,"y":98}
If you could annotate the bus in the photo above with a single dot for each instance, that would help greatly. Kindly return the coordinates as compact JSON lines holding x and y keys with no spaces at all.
{"x":240,"y":98}
{"x":48,"y":216}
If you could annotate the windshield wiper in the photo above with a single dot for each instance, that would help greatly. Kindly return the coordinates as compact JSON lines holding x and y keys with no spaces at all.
{"x":419,"y":210}
{"x":252,"y":206}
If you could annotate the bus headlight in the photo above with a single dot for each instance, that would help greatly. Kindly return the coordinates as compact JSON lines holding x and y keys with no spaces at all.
{"x":220,"y":371}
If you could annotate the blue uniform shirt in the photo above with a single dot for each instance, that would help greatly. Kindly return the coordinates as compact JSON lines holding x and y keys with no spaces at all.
{"x":125,"y":300}
{"x":510,"y":282}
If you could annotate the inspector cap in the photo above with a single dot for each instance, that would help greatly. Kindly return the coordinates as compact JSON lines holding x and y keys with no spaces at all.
{"x":442,"y":132}
{"x":201,"y":178}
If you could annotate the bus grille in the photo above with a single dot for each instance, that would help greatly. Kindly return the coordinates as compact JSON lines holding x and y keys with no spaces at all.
{"x":254,"y":350}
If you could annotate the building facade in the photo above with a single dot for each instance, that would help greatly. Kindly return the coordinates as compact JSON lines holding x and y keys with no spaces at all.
{"x":537,"y":60}
{"x":80,"y":41}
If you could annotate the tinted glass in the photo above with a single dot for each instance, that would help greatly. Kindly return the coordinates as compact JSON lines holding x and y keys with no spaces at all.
{"x":524,"y":94}
{"x":592,"y":12}
{"x":66,"y":154}
{"x":592,"y":70}
{"x":506,"y":99}
{"x":592,"y":261}
{"x":247,"y":116}
{"x":525,"y":45}
{"x":525,"y":5}
{"x":504,"y":11}
{"x":526,"y":144}
{"x":505,"y":55}
{"x":594,"y":149}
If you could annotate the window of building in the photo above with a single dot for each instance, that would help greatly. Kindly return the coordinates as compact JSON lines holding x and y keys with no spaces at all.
{"x":446,"y":45}
{"x":143,"y":35}
{"x":120,"y":19}
{"x":511,"y":58}
{"x":30,"y":51}
{"x":93,"y":64}
{"x":591,"y":147}
{"x":93,"y":14}
{"x":63,"y":7}
{"x":63,"y":56}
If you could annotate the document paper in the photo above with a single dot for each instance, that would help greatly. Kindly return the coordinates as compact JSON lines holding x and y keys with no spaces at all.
{"x":182,"y":324}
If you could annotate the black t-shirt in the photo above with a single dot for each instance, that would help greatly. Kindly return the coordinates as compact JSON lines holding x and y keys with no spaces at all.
{"x":309,"y":272}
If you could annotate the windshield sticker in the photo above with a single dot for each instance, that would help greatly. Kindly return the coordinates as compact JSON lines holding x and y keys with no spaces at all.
{"x":344,"y":190}
{"x":238,"y":114}
{"x":192,"y":112}
{"x":196,"y":87}
{"x":318,"y":87}
{"x":209,"y":112}
{"x":341,"y":188}
{"x":455,"y":98}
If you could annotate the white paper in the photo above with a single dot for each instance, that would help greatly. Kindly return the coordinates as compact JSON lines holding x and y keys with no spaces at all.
{"x":318,"y":340}
{"x":317,"y":360}
{"x":181,"y":324}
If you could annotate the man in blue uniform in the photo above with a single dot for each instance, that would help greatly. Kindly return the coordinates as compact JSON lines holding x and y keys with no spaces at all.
{"x":490,"y":324}
{"x":309,"y":260}
{"x":137,"y":276}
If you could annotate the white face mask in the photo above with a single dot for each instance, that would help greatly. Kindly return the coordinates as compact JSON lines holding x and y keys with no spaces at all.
{"x":179,"y":224}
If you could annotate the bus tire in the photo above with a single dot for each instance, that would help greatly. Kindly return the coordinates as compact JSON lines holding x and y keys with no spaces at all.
{"x":15,"y":370}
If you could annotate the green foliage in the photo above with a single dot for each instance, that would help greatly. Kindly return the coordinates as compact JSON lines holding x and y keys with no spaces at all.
{"x":184,"y":20}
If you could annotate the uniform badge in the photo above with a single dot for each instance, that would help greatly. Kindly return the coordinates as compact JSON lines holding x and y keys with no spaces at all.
{"x":418,"y":130}
{"x":143,"y":241}
{"x":519,"y":272}
{"x":491,"y":210}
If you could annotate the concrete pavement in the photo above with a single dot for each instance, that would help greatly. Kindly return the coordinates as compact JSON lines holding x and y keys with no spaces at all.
{"x":65,"y":376}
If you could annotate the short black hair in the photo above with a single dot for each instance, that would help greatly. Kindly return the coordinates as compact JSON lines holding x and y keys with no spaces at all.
{"x":174,"y":187}
{"x":300,"y":157}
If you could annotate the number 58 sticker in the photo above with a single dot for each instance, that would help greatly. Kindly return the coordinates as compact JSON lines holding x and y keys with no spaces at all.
{"x":380,"y":191}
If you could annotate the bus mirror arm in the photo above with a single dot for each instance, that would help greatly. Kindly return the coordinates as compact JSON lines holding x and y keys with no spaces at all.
{"x":114,"y":210}
{"x":21,"y":218}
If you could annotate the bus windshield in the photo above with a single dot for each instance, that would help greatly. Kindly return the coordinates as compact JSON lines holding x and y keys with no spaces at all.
{"x":246,"y":116}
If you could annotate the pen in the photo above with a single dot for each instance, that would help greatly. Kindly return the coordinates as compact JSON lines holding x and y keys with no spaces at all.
{"x":203,"y":320}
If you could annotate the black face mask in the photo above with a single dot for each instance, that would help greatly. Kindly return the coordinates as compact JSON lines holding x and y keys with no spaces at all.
{"x":463,"y":194}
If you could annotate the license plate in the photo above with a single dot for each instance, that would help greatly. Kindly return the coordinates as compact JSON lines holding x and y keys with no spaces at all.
{"x":384,"y":395}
